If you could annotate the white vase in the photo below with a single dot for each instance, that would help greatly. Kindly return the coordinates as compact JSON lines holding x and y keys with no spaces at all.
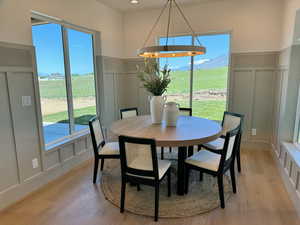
{"x":171,"y":113}
{"x":156,"y":108}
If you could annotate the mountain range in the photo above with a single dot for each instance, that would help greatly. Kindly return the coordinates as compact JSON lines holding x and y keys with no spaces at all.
{"x":220,"y":61}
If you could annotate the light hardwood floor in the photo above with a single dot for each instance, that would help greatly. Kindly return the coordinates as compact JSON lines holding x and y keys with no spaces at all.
{"x":73,"y":200}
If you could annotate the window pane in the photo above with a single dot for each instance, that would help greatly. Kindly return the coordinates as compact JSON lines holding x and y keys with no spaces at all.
{"x":47,"y":39}
{"x":82,"y":75}
{"x":179,"y":88}
{"x":210,"y":77}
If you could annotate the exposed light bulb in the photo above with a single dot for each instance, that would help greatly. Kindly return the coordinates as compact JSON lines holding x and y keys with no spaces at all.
{"x":134,"y":1}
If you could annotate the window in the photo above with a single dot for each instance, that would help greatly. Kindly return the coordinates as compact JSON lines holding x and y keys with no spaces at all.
{"x":179,"y":88}
{"x":65,"y":65}
{"x":200,"y":82}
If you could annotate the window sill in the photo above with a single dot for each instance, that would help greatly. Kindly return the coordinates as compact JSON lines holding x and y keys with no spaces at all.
{"x":66,"y":141}
{"x":294,"y":151}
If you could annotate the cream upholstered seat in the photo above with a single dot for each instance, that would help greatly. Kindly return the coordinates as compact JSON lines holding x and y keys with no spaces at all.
{"x":110,"y":148}
{"x":139,"y":163}
{"x":102,"y":149}
{"x":210,"y":160}
{"x":216,"y":144}
{"x":205,"y":159}
{"x":230,"y":122}
{"x":215,"y":164}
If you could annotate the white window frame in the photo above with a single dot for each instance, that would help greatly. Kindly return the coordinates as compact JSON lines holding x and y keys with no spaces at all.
{"x":68,"y":76}
{"x":229,"y":79}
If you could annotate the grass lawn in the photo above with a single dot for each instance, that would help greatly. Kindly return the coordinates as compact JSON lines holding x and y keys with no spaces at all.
{"x":83,"y":86}
{"x":203,"y":79}
{"x":211,"y":109}
{"x":82,"y":116}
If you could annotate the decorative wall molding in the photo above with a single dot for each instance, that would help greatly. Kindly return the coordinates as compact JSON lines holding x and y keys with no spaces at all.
{"x":289,"y":168}
{"x":23,"y":139}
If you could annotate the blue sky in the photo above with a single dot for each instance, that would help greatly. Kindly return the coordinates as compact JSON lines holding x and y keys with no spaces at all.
{"x":47,"y":40}
{"x":216,"y":45}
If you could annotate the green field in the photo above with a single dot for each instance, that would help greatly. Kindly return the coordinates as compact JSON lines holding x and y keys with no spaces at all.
{"x":203,"y":79}
{"x":83,"y":87}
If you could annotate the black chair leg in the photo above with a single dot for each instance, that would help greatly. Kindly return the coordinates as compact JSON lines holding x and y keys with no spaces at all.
{"x":138,"y":187}
{"x":190,"y":150}
{"x":102,"y":164}
{"x":95,"y":170}
{"x":199,"y":147}
{"x":123,"y":190}
{"x":162,"y":153}
{"x":232,"y":175}
{"x":238,"y":160}
{"x":221,"y":191}
{"x":169,"y":182}
{"x":187,"y":176}
{"x":170,"y":149}
{"x":201,"y":176}
{"x":156,"y":201}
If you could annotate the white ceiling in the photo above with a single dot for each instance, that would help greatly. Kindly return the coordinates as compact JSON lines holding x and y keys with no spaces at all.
{"x":125,"y":5}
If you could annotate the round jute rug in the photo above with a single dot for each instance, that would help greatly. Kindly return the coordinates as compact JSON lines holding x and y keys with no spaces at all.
{"x":202,"y":197}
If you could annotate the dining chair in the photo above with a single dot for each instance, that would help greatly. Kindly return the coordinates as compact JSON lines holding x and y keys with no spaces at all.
{"x":139,"y":165}
{"x":182,"y":112}
{"x":128,"y":112}
{"x":215,"y":164}
{"x":230,"y":121}
{"x":102,"y":150}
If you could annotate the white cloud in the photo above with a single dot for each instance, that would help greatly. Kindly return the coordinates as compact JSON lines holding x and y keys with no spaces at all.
{"x":174,"y":67}
{"x":200,"y":61}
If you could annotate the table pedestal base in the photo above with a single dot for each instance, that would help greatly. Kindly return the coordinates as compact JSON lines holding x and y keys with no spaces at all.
{"x":182,"y":154}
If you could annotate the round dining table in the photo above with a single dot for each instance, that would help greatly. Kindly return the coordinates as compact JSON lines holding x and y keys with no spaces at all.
{"x":188,"y":132}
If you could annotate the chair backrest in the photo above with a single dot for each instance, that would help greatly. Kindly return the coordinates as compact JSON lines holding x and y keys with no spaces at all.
{"x":229,"y":148}
{"x":138,"y":157}
{"x":231,"y":121}
{"x":128,"y":112}
{"x":185,"y":111}
{"x":97,"y":136}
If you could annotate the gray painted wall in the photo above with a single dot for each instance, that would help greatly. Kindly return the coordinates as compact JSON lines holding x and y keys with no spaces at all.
{"x":252,"y":83}
{"x":253,"y":79}
{"x":20,"y":130}
{"x":286,"y":94}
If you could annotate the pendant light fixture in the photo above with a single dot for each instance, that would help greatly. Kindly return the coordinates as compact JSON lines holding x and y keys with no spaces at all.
{"x":163,"y":51}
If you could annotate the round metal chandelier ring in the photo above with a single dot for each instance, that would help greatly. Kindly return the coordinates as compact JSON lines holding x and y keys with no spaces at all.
{"x":171,"y":51}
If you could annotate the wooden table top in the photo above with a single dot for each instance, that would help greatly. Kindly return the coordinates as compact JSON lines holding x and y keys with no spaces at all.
{"x":189,"y":130}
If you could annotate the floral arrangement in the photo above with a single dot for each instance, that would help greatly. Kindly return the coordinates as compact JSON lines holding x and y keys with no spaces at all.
{"x":155,"y":81}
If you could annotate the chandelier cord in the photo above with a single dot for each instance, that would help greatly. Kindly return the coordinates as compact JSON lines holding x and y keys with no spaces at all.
{"x":169,"y":21}
{"x":155,"y":24}
{"x":187,"y":22}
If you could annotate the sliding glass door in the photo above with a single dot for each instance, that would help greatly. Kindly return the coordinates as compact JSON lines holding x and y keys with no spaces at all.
{"x":65,"y":65}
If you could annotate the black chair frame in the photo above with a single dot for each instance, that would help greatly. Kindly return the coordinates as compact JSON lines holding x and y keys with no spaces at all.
{"x":128,"y":109}
{"x":137,"y":174}
{"x":224,"y":165}
{"x":96,"y":148}
{"x":238,"y":153}
{"x":186,"y":109}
